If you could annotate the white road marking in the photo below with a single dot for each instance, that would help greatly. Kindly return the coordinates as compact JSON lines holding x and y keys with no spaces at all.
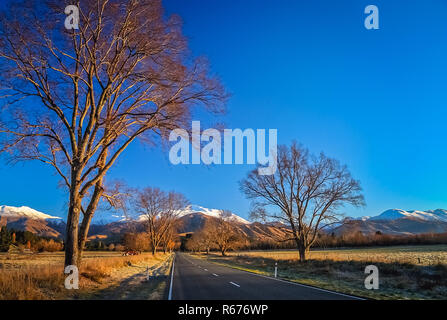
{"x":234,"y":284}
{"x":303,"y":285}
{"x":300,"y":285}
{"x":205,"y":269}
{"x":172,"y":279}
{"x":297,"y":284}
{"x":215,"y":275}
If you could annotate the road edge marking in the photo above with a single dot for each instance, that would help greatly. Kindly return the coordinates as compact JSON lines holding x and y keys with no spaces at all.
{"x":172,"y":279}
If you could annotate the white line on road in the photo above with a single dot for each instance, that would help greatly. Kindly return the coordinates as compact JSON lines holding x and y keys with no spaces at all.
{"x":234,"y":284}
{"x":303,"y":285}
{"x":172,"y":279}
{"x":205,"y":269}
{"x":215,"y":275}
{"x":297,"y":284}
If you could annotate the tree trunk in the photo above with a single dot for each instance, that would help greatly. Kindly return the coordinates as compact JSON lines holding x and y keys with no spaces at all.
{"x":301,"y":249}
{"x":71,"y":238}
{"x":302,"y":254}
{"x":83,"y":232}
{"x":87,"y":219}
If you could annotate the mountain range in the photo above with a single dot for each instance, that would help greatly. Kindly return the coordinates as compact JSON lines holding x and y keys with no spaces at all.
{"x":28,"y":219}
{"x":397,"y":222}
{"x":393,"y":222}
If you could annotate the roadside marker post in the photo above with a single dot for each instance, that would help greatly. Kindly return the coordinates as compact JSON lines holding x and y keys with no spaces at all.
{"x":276,"y":269}
{"x":147,"y":273}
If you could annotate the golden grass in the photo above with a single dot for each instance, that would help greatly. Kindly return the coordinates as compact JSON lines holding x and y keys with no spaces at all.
{"x":40,"y":276}
{"x":417,"y":255}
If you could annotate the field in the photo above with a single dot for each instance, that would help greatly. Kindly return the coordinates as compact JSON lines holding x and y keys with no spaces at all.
{"x":103,"y":275}
{"x":405,"y":272}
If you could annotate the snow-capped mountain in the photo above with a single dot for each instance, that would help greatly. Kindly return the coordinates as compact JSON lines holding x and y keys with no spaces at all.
{"x":429,"y":215}
{"x":397,"y":222}
{"x":209,"y":212}
{"x":24,"y":212}
{"x":27,"y":219}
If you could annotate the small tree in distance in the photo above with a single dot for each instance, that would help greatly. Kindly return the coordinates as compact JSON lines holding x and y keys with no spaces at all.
{"x":159,"y":212}
{"x":304,"y":193}
{"x":222,"y":231}
{"x":205,"y":237}
{"x":170,"y":237}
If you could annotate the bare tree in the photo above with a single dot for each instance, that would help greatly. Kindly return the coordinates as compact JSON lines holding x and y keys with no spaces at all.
{"x":170,"y":237}
{"x":76,"y":99}
{"x":205,"y":237}
{"x":159,"y":211}
{"x":136,"y":241}
{"x":305,"y":193}
{"x":223,"y":232}
{"x":193,"y":244}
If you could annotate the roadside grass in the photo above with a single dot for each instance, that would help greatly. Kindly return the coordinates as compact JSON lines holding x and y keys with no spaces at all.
{"x":407,"y":272}
{"x":40,"y":276}
{"x":135,"y":285}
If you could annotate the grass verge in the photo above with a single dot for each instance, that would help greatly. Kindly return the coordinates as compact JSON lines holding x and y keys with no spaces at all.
{"x":40,"y":277}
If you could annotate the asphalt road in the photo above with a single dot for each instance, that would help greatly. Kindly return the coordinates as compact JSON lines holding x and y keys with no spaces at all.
{"x":198,"y":279}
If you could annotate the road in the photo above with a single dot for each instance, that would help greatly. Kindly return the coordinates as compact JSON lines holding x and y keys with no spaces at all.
{"x":197,"y":279}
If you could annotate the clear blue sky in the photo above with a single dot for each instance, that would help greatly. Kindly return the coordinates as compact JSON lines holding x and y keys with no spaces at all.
{"x":375,"y":100}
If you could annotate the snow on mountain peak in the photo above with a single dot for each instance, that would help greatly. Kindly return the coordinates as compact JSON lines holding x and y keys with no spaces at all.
{"x":364,"y":218}
{"x":429,"y":215}
{"x":209,"y":212}
{"x":25,"y":212}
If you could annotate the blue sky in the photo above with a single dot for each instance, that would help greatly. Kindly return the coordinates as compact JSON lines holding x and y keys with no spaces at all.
{"x":374,"y":99}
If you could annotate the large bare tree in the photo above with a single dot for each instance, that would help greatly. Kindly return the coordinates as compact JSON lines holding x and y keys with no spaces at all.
{"x":76,"y":99}
{"x":305,"y":194}
{"x":159,"y":211}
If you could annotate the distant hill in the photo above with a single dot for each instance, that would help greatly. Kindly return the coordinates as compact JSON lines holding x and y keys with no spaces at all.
{"x":191,"y":209}
{"x":397,"y":222}
{"x":429,"y":215}
{"x":27,"y":219}
{"x":194,"y":221}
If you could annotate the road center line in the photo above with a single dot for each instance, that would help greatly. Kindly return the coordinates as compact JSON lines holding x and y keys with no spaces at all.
{"x":205,"y":269}
{"x":215,"y":275}
{"x":234,"y":284}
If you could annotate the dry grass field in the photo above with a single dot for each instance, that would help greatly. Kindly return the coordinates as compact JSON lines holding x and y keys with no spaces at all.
{"x":405,"y":272}
{"x":40,"y":276}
